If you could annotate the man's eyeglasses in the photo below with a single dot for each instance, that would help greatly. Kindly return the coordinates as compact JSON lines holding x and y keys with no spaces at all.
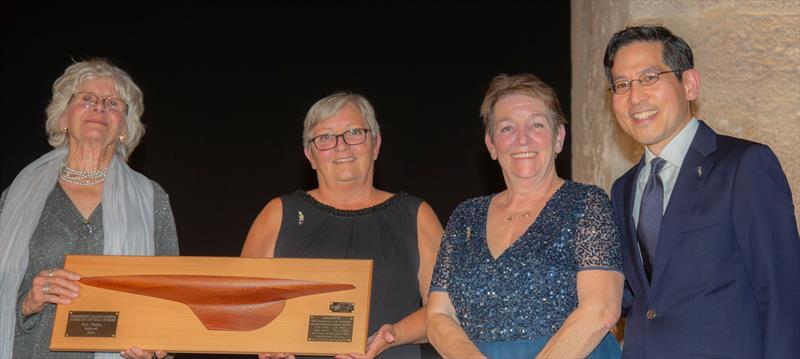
{"x":353,"y":136}
{"x":646,"y":79}
{"x":89,"y":100}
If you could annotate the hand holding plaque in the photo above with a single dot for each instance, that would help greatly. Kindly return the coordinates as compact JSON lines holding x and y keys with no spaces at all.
{"x":377,"y":343}
{"x":56,"y":286}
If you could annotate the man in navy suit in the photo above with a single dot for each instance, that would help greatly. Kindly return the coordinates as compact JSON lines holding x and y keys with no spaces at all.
{"x":710,"y":243}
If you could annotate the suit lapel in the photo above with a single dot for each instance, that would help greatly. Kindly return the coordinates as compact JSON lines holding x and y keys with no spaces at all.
{"x":695,"y":169}
{"x":639,"y":283}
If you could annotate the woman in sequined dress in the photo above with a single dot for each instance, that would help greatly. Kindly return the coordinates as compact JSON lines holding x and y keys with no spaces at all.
{"x":80,"y":198}
{"x":535,"y":270}
{"x":347,"y":217}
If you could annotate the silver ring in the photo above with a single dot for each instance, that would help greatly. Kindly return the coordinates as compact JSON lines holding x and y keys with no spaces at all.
{"x":46,"y":289}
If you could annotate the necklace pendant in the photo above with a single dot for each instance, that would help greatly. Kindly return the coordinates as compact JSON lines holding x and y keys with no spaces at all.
{"x":518,"y":216}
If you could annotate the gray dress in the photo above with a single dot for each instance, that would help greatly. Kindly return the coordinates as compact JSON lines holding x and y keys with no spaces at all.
{"x":63,"y":230}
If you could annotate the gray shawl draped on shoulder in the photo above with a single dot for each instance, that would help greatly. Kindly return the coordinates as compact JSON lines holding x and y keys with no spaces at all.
{"x":128,"y":229}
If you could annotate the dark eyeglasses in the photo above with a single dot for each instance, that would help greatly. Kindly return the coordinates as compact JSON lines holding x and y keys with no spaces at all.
{"x":352,"y":137}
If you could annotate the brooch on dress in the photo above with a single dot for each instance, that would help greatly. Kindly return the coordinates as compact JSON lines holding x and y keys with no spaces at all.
{"x":300,"y":218}
{"x":469,"y":232}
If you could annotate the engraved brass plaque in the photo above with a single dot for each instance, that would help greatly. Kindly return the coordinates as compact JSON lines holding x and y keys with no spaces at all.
{"x":342,"y":307}
{"x":92,"y":324}
{"x":330,"y":328}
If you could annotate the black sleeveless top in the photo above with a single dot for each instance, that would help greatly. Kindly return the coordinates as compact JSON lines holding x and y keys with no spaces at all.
{"x":385,"y":233}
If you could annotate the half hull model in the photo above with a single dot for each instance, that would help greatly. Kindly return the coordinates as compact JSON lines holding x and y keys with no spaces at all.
{"x":220,"y":302}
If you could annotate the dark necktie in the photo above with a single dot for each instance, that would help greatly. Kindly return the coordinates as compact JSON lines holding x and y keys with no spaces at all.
{"x":650,"y":212}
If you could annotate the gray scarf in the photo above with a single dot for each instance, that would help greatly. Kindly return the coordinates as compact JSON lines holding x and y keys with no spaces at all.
{"x":127,"y":226}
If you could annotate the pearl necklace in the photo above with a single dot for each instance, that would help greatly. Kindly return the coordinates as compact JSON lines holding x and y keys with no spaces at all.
{"x":80,"y":177}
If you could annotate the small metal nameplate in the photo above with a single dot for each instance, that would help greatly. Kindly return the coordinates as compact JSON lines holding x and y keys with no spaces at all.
{"x":330,"y":328}
{"x":92,"y":324}
{"x":342,"y":307}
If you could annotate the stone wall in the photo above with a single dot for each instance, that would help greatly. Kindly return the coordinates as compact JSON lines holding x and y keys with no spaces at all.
{"x":748,"y":57}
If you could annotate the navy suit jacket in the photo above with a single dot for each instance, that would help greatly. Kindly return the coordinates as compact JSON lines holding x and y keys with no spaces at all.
{"x":726,"y":276}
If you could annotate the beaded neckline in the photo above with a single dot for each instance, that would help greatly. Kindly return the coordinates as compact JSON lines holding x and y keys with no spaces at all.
{"x":350,"y":212}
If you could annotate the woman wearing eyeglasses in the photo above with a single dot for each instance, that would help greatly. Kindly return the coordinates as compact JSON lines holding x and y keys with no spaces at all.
{"x":347,"y":217}
{"x":80,"y":198}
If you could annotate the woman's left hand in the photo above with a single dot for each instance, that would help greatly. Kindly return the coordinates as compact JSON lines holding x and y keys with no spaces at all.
{"x":138,"y":353}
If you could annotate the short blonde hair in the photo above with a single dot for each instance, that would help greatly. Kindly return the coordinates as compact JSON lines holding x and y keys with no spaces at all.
{"x":521,"y":84}
{"x":69,"y":82}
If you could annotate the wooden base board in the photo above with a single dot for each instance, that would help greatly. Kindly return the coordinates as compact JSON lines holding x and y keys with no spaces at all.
{"x":303,"y":326}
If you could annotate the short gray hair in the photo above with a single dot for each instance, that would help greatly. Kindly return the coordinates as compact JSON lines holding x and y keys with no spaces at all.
{"x":69,"y":82}
{"x":330,"y":105}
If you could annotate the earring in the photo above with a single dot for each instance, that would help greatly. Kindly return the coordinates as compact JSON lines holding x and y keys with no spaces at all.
{"x":64,"y":130}
{"x":122,"y":139}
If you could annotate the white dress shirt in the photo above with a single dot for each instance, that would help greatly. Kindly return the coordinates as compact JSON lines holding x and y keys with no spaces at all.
{"x":673,"y":153}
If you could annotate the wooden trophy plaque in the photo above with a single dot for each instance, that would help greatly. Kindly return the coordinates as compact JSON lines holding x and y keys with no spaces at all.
{"x":216,"y":305}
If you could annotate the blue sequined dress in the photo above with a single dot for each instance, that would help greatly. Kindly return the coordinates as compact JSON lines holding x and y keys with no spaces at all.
{"x":510,"y":306}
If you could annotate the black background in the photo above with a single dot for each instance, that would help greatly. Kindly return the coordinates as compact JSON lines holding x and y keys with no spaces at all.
{"x":226,"y":88}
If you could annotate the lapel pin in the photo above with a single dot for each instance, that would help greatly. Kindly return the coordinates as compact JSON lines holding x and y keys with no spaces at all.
{"x":699,"y":171}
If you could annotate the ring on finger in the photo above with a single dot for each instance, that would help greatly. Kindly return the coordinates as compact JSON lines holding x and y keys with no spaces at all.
{"x":46,"y":288}
{"x":50,"y":272}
